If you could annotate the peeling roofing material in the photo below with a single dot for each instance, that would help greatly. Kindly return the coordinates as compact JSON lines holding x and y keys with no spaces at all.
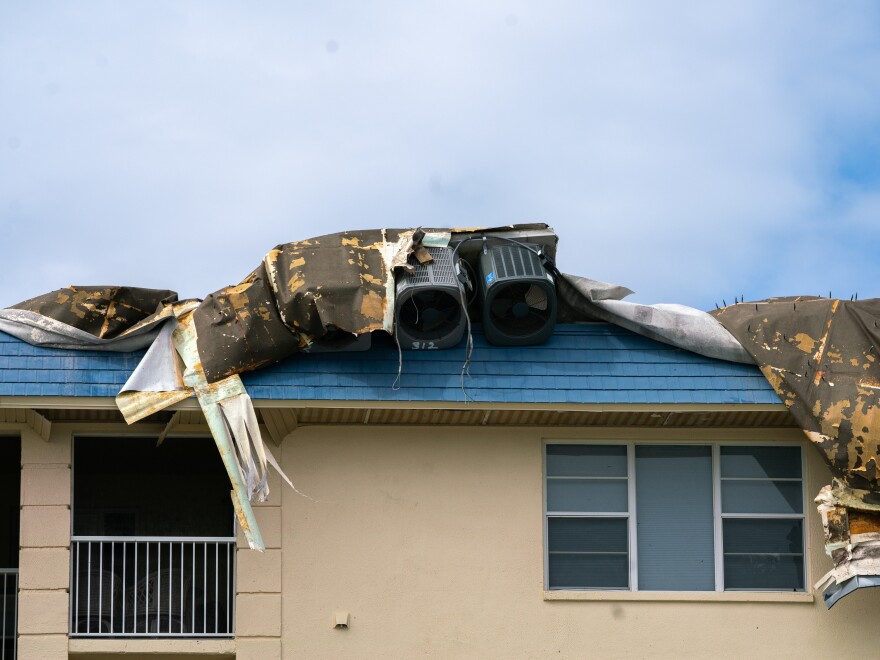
{"x":302,"y":292}
{"x":819,"y":355}
{"x":105,"y":312}
{"x":102,"y":318}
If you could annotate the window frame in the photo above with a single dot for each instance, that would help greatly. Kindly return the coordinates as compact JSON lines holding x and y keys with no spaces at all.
{"x":718,"y":516}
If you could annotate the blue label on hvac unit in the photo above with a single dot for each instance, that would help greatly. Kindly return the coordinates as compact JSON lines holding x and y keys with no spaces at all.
{"x":490,"y":277}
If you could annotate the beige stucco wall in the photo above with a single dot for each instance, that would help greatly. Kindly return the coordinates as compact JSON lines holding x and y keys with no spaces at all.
{"x":432,"y":539}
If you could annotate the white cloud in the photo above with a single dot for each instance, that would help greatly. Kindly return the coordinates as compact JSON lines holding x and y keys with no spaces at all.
{"x":686,"y":151}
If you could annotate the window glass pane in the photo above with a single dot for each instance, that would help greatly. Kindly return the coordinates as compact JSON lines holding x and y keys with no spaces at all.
{"x":763,"y":536}
{"x":675,"y":520}
{"x":770,"y":462}
{"x":749,"y":496}
{"x":778,"y":572}
{"x":586,"y":460}
{"x":587,"y":534}
{"x":570,"y":571}
{"x":587,"y":495}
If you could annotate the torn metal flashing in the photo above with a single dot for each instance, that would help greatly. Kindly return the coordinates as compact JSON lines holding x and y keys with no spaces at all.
{"x":852,"y":540}
{"x":838,"y":590}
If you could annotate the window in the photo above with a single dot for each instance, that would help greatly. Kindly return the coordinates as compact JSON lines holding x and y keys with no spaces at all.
{"x":685,"y":517}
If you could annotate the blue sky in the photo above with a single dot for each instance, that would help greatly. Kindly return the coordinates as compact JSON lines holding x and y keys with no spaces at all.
{"x":690,"y":151}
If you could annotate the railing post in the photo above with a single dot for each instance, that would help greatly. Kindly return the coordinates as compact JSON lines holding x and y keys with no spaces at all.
{"x":9,"y":613}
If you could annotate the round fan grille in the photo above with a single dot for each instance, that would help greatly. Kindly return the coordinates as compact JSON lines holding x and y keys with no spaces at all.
{"x":430,"y":314}
{"x":520,"y":309}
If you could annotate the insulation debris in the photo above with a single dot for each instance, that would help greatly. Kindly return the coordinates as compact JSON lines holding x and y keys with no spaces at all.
{"x":852,"y":540}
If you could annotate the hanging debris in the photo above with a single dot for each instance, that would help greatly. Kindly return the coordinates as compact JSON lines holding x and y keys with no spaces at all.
{"x":821,"y":357}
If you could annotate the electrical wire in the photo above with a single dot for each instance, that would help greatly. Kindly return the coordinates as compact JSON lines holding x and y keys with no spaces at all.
{"x":539,"y":252}
{"x":469,"y":347}
{"x":466,"y":301}
{"x":396,"y":384}
{"x":545,"y":258}
{"x":473,"y":279}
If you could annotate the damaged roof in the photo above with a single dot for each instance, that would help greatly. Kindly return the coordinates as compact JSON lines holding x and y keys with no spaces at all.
{"x":820,"y":358}
{"x":584,"y":363}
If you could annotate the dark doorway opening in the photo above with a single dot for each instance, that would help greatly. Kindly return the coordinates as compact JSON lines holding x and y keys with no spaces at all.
{"x":131,"y":487}
{"x":10,"y":508}
{"x":153,"y":547}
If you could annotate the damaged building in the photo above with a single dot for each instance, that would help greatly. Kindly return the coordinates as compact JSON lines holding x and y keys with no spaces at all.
{"x":409,"y":442}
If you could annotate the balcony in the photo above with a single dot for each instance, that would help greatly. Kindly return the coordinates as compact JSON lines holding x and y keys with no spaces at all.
{"x":8,"y":612}
{"x":152,"y":586}
{"x":153,"y":546}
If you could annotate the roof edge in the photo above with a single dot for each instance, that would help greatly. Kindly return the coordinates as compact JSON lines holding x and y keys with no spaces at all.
{"x":109,"y":403}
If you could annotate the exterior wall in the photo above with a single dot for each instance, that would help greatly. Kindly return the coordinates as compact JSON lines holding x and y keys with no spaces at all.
{"x":432,"y":540}
{"x":45,"y":546}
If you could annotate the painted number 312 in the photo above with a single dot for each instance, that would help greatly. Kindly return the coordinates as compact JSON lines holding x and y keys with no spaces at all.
{"x":423,"y":345}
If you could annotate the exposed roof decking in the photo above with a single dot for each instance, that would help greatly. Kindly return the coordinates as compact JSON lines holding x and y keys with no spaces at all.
{"x":591,"y":363}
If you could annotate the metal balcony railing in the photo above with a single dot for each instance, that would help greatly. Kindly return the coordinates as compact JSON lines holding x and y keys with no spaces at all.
{"x":9,"y":613}
{"x":122,"y":586}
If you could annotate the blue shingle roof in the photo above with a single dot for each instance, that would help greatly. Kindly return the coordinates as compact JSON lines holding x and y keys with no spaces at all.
{"x":590,"y":363}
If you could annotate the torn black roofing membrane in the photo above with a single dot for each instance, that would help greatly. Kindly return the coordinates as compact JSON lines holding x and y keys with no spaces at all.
{"x":820,"y":355}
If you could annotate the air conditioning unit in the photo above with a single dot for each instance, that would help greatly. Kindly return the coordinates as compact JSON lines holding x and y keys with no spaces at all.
{"x":519,"y":296}
{"x":428,"y":309}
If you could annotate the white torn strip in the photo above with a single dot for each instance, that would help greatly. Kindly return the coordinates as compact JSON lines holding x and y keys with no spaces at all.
{"x":160,"y":370}
{"x":238,"y":413}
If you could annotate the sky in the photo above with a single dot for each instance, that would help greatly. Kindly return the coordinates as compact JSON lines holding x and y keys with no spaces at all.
{"x":692,"y":151}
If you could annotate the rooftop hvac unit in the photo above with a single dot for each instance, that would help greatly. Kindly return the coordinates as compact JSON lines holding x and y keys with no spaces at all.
{"x":519,"y":296}
{"x":428,"y":310}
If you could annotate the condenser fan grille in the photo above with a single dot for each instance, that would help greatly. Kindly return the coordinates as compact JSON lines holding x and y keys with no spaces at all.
{"x":519,"y":296}
{"x":519,"y":309}
{"x":428,"y":310}
{"x":430,"y":314}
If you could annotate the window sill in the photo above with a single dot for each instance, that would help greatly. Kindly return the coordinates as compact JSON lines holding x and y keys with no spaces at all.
{"x":698,"y":596}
